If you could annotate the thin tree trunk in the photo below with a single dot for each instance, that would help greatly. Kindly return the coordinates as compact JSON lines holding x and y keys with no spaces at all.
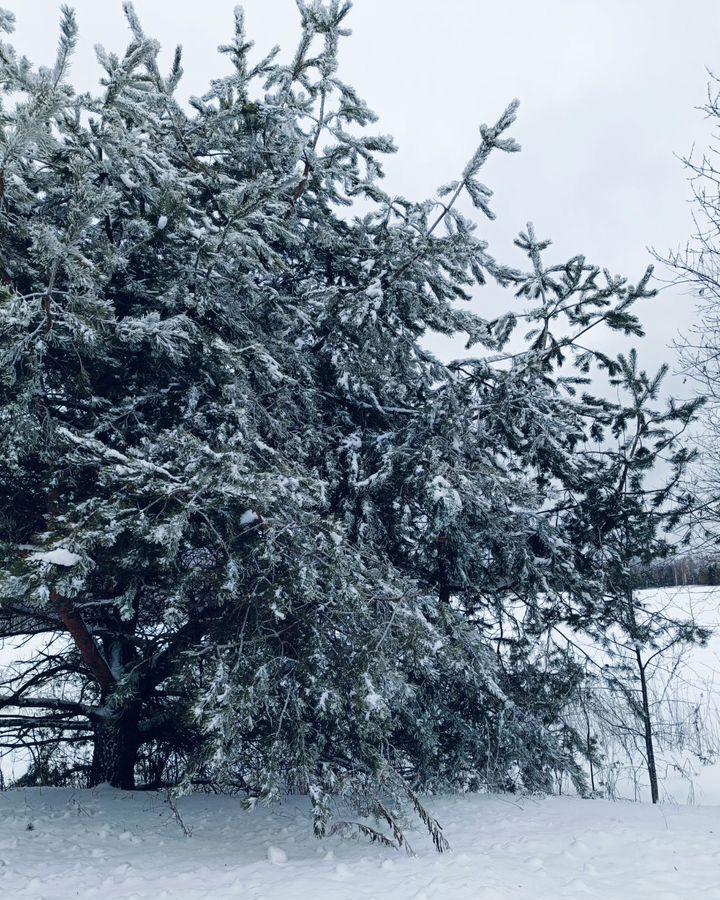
{"x":588,"y":739}
{"x":647,"y":722}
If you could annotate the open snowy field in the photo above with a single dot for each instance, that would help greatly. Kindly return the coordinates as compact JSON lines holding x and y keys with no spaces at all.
{"x":63,"y":843}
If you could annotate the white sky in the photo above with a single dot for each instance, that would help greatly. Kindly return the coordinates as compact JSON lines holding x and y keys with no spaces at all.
{"x":608,"y":90}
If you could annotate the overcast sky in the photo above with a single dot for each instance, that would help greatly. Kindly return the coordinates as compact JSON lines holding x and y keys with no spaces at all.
{"x":608,"y":91}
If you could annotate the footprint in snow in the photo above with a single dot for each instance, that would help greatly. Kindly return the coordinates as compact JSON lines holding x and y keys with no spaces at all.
{"x":576,"y":885}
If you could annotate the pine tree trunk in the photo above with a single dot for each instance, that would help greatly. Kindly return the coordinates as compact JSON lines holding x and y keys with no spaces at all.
{"x":647,"y":723}
{"x":647,"y":720}
{"x":115,"y":751}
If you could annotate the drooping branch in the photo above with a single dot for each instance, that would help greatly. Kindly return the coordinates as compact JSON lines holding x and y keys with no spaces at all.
{"x":54,"y":703}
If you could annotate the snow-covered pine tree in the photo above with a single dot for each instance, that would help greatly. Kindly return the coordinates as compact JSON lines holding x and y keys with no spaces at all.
{"x":631,"y":510}
{"x":260,"y":525}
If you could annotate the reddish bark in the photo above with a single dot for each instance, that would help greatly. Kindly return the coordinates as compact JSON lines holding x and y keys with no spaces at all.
{"x":73,"y":622}
{"x":84,"y":641}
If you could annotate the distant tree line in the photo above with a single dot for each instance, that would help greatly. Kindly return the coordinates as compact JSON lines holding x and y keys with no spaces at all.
{"x":682,"y":570}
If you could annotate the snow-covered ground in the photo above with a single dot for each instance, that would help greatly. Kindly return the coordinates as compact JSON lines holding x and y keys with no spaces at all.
{"x":64,"y":843}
